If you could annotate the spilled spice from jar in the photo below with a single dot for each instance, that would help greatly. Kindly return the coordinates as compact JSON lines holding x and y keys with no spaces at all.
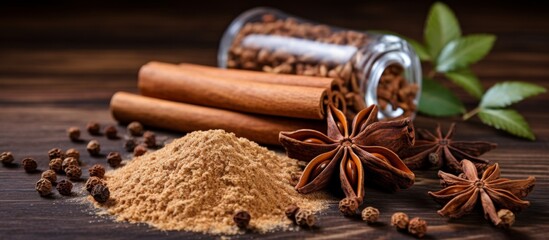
{"x":197,"y":183}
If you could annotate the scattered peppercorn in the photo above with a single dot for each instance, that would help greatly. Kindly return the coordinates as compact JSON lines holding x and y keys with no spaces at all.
{"x":305,"y":218}
{"x":92,"y":181}
{"x":417,"y":227}
{"x":74,"y":134}
{"x":291,"y":211}
{"x":140,"y":150}
{"x":149,"y":138}
{"x":507,"y":218}
{"x":348,"y":206}
{"x":73,"y":153}
{"x":70,"y":161}
{"x":242,"y":219}
{"x":97,"y":171}
{"x":114,"y":159}
{"x":6,"y":158}
{"x":29,"y":165}
{"x":135,"y":129}
{"x":370,"y":214}
{"x":56,"y":165}
{"x":111,"y":132}
{"x":399,"y":220}
{"x":73,"y":172}
{"x":130,"y":144}
{"x":93,"y":128}
{"x":43,"y":187}
{"x":100,"y":193}
{"x":64,"y":187}
{"x":93,"y":147}
{"x":50,"y":175}
{"x":56,"y":153}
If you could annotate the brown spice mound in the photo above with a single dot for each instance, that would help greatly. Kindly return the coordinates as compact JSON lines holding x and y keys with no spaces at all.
{"x":197,"y":183}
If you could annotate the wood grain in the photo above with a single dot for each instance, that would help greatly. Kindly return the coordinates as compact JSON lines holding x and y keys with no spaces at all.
{"x":60,"y":63}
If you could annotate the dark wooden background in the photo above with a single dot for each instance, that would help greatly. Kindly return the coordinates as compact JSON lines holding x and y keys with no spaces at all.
{"x":61,"y":62}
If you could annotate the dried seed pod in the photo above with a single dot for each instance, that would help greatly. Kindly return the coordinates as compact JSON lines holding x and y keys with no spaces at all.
{"x":370,"y":214}
{"x":73,"y":153}
{"x":130,"y":144}
{"x":97,"y":171}
{"x":29,"y":165}
{"x":56,"y":165}
{"x":135,"y":129}
{"x":111,"y":132}
{"x":149,"y":138}
{"x":70,"y":161}
{"x":93,"y":147}
{"x":50,"y":175}
{"x":114,"y":159}
{"x":291,"y":211}
{"x":73,"y":172}
{"x":305,"y":218}
{"x":100,"y":193}
{"x":399,"y":220}
{"x":140,"y":150}
{"x":242,"y":219}
{"x":93,"y":128}
{"x":92,"y":181}
{"x":348,"y":206}
{"x":417,"y":227}
{"x":43,"y":187}
{"x":73,"y":133}
{"x":64,"y":187}
{"x":56,"y":153}
{"x":507,"y":218}
{"x":6,"y":158}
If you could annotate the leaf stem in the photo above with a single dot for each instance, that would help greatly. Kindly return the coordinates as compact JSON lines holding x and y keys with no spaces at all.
{"x":470,"y":114}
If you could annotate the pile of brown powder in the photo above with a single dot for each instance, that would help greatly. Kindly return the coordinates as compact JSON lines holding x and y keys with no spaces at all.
{"x":197,"y":182}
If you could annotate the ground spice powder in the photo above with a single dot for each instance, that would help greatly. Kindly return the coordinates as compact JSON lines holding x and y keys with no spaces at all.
{"x":196,"y":183}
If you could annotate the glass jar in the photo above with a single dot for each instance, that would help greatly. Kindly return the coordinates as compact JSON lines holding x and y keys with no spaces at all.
{"x":373,"y":68}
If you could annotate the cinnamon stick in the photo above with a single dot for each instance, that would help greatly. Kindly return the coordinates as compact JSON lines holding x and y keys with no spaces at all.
{"x":127,"y":107}
{"x":171,"y":82}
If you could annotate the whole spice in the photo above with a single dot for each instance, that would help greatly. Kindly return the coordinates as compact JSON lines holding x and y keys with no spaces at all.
{"x":43,"y":187}
{"x":91,"y":182}
{"x":462,"y":193}
{"x":97,"y":171}
{"x":74,"y":134}
{"x":50,"y":175}
{"x":242,"y":219}
{"x":56,"y":153}
{"x":130,"y":144}
{"x":417,"y":227}
{"x":395,"y":92}
{"x":56,"y":165}
{"x":370,"y":214}
{"x":70,"y":161}
{"x":368,"y":151}
{"x":291,"y":211}
{"x":111,"y":132}
{"x":114,"y":159}
{"x":6,"y":158}
{"x":348,"y":206}
{"x":305,"y":218}
{"x":71,"y":152}
{"x":507,"y":218}
{"x":140,"y":150}
{"x":29,"y":165}
{"x":400,"y":221}
{"x":93,"y":148}
{"x":441,"y":151}
{"x":100,"y":193}
{"x":64,"y":187}
{"x":135,"y":129}
{"x":73,"y":172}
{"x":93,"y":128}
{"x":149,"y":138}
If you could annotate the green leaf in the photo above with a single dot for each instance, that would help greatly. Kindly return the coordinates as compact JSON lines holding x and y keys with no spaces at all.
{"x":420,"y":50}
{"x":508,"y":120}
{"x":463,"y":51}
{"x":441,"y":27}
{"x":506,"y":93}
{"x":436,"y":100}
{"x":466,"y":80}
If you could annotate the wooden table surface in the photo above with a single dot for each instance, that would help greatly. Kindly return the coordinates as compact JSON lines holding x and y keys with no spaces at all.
{"x":60,"y":63}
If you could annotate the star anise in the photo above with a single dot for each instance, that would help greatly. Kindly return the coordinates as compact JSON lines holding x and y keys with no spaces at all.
{"x":463,"y":192}
{"x":443,"y":152}
{"x":368,"y":151}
